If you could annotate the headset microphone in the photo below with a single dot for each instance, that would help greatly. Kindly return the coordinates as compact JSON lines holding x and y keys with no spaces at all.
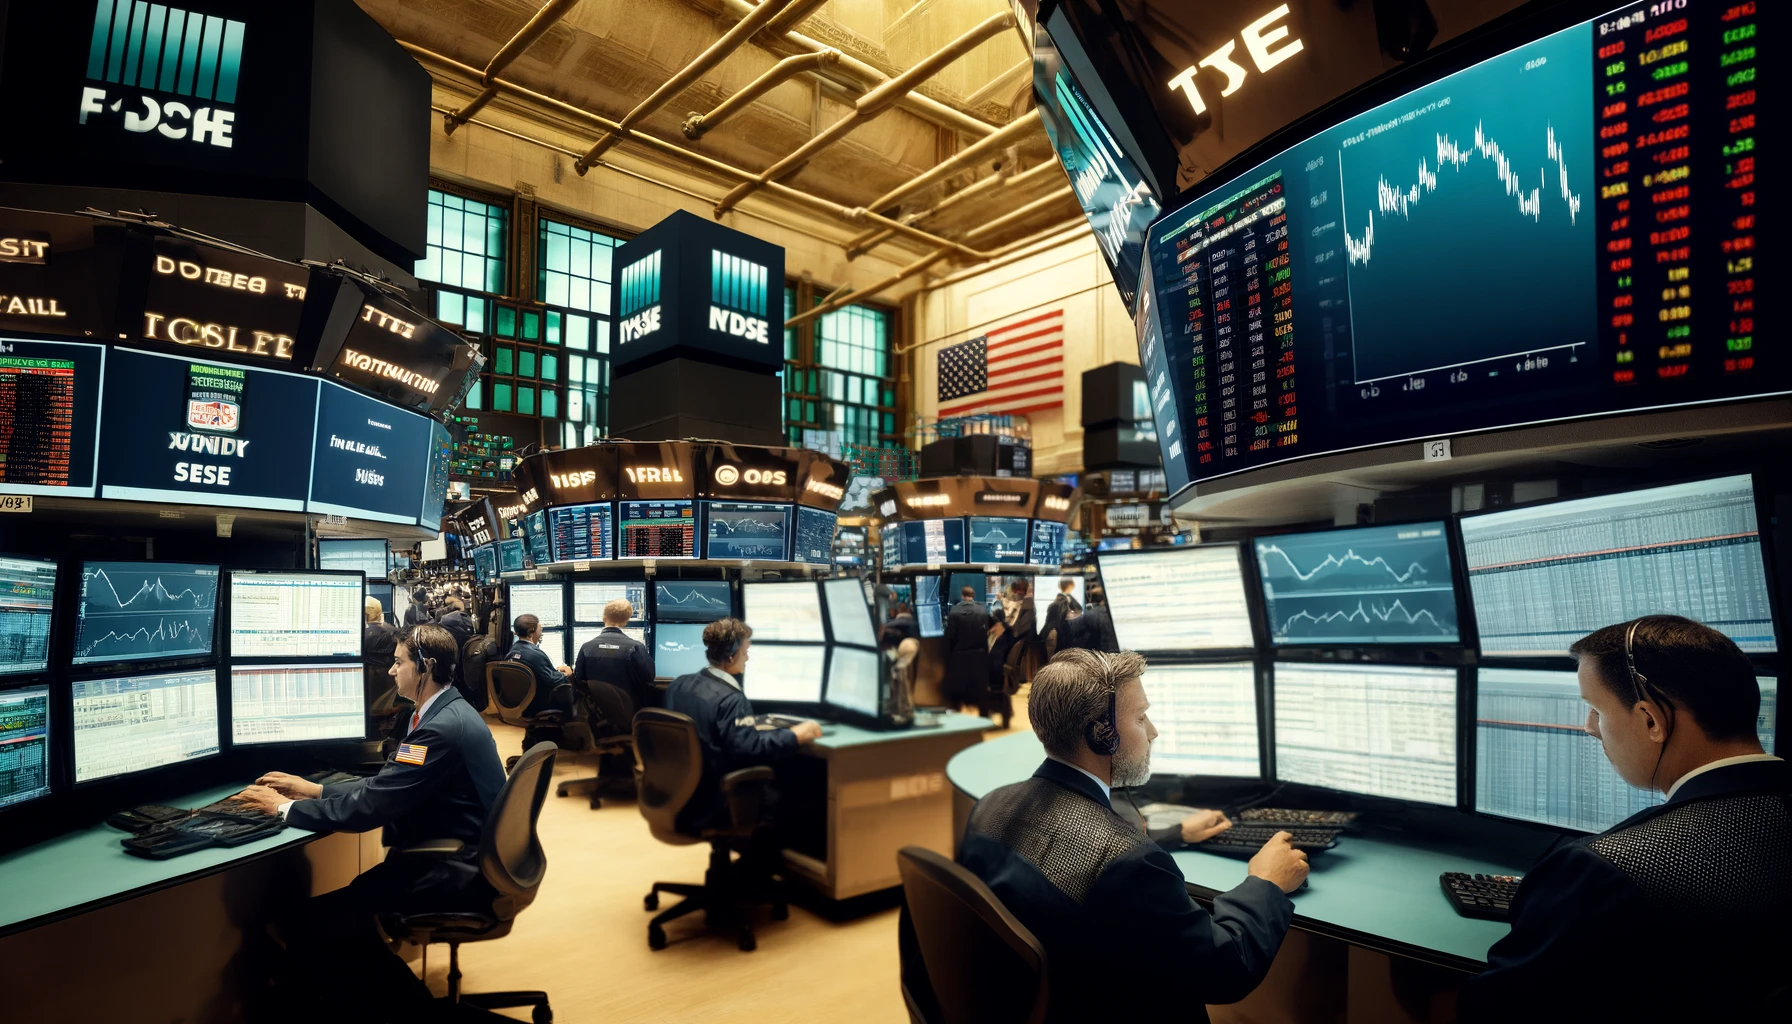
{"x":1102,"y":735}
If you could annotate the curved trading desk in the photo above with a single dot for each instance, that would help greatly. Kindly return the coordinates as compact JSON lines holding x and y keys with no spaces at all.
{"x":1375,"y":893}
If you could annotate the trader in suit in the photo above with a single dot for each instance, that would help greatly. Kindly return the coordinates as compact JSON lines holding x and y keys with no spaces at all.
{"x":549,"y":678}
{"x":1062,"y":605}
{"x":418,"y":613}
{"x":1023,"y":625}
{"x":1103,"y":898}
{"x":725,"y":727}
{"x":440,"y":783}
{"x":1093,"y":630}
{"x":378,"y":640}
{"x":967,"y":650}
{"x":1679,"y":911}
{"x":613,"y":658}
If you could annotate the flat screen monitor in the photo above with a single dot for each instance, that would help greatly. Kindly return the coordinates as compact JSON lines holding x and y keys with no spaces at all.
{"x":997,"y":540}
{"x":512,"y":555}
{"x":589,"y":599}
{"x":385,"y":595}
{"x":1535,"y":760}
{"x":553,"y":644}
{"x":657,"y":529}
{"x":1047,"y":544}
{"x":849,"y":613}
{"x":297,"y":703}
{"x":692,"y":600}
{"x":535,"y":531}
{"x":1378,"y":730}
{"x":24,"y":745}
{"x":930,"y":610}
{"x":129,"y":724}
{"x":678,"y":649}
{"x":1206,"y":718}
{"x":890,"y":541}
{"x":485,"y":564}
{"x":582,"y":635}
{"x":295,"y":615}
{"x":746,"y":530}
{"x":27,"y":608}
{"x":582,"y":533}
{"x":855,"y":679}
{"x":1181,"y":599}
{"x":545,"y":601}
{"x":785,"y":672}
{"x":371,"y":460}
{"x":1574,"y":165}
{"x":933,"y":542}
{"x":1366,"y":585}
{"x":814,"y":536}
{"x":432,"y":550}
{"x":979,"y":584}
{"x":783,"y":611}
{"x":369,"y":557}
{"x":144,"y":611}
{"x":1544,"y":576}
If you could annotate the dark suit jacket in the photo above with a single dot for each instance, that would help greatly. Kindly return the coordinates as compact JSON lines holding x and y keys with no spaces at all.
{"x":1061,"y":605}
{"x":967,"y":652}
{"x":547,"y":675}
{"x":1092,"y":631}
{"x":730,"y":741}
{"x":1108,"y":903}
{"x":379,"y":647}
{"x":1676,"y":914}
{"x":620,"y":660}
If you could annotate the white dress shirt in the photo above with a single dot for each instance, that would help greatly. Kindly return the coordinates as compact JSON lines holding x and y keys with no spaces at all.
{"x":1106,"y":790}
{"x":723,"y":676}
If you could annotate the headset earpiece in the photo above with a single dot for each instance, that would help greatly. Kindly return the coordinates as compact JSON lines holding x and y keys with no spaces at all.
{"x":1102,"y":734}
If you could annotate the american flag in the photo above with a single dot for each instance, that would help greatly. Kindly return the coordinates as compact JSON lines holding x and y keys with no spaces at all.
{"x":1015,"y":368}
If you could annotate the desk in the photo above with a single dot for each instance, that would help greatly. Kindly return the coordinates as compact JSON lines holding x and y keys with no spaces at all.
{"x":1375,"y":893}
{"x":885,"y":790}
{"x":168,"y":938}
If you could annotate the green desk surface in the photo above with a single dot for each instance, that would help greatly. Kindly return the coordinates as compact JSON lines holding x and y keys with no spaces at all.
{"x":842,"y":736}
{"x":1372,"y":892}
{"x":87,"y":869}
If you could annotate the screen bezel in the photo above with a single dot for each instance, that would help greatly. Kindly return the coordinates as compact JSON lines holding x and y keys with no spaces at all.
{"x":657,"y":582}
{"x":53,"y":783}
{"x":266,"y":659}
{"x":804,"y":707}
{"x":385,"y":549}
{"x":511,"y":610}
{"x":68,"y":702}
{"x":1252,"y":598}
{"x":789,"y":536}
{"x":99,"y":669}
{"x":227,"y":704}
{"x":653,"y":645}
{"x":698,"y":529}
{"x":554,"y":554}
{"x":827,"y":609}
{"x":850,"y":715}
{"x":1465,"y":637}
{"x":1026,"y":543}
{"x":643,"y":612}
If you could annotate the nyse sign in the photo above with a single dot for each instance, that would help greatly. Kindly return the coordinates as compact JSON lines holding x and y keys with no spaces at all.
{"x":1259,"y":38}
{"x":225,"y":337}
{"x":738,"y":325}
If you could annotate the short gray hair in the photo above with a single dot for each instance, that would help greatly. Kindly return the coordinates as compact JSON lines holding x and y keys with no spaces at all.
{"x":1072,"y":690}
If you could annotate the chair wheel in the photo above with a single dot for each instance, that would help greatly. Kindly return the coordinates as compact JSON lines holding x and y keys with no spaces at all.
{"x":780,"y":912}
{"x":652,"y":901}
{"x":560,"y":790}
{"x":747,"y":942}
{"x":542,"y":1015}
{"x":656,"y":937}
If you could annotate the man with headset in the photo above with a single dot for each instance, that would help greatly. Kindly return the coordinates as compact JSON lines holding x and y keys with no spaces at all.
{"x":1104,"y":899}
{"x":1678,"y":912}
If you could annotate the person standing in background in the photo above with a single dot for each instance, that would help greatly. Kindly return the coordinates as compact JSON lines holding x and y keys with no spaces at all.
{"x":967,"y":650}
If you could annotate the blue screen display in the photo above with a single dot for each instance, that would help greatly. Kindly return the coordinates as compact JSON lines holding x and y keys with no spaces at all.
{"x":370,"y":460}
{"x":1047,"y":544}
{"x":745,"y":530}
{"x":998,"y":539}
{"x":691,"y":600}
{"x":511,"y":555}
{"x":1368,"y":585}
{"x":933,"y":542}
{"x":678,"y":649}
{"x":814,"y":536}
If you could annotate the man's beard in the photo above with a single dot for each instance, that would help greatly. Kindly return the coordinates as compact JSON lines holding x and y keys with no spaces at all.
{"x":1128,"y":770}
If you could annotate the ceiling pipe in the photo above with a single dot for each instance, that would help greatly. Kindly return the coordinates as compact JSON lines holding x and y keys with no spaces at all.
{"x":687,"y":76}
{"x":1003,"y":183}
{"x":793,"y":16}
{"x":536,"y":27}
{"x":1053,"y":198}
{"x":870,"y":105}
{"x":697,"y":124}
{"x":970,"y":156}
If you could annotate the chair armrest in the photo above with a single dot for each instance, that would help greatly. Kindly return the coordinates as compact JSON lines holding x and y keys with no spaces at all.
{"x":436,"y":848}
{"x":744,"y":791}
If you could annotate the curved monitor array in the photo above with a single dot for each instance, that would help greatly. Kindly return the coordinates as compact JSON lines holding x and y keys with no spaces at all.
{"x":1353,"y":685}
{"x":677,"y":529}
{"x":973,"y":540}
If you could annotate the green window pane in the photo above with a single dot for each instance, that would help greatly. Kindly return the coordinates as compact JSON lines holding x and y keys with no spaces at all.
{"x":525,"y":362}
{"x":576,"y":266}
{"x":795,"y":411}
{"x":575,"y":369}
{"x":501,"y":397}
{"x":575,"y":404}
{"x":603,"y":335}
{"x":554,"y":329}
{"x":504,"y":365}
{"x":504,"y":323}
{"x":531,"y":325}
{"x":889,"y":397}
{"x":550,"y":404}
{"x":476,"y":395}
{"x":889,"y":423}
{"x":451,"y":307}
{"x":578,"y":332}
{"x":465,"y":243}
{"x":476,"y":308}
{"x":809,"y":411}
{"x":525,"y":400}
{"x":550,"y":366}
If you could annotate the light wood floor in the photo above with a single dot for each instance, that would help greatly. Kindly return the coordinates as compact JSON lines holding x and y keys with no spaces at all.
{"x":584,"y":939}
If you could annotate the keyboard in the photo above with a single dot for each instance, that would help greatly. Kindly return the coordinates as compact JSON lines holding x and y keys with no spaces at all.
{"x":142,"y":819}
{"x":201,"y":831}
{"x":1285,"y":817}
{"x":231,"y":808}
{"x":766,"y":723}
{"x":1252,"y":838}
{"x":1485,"y":896}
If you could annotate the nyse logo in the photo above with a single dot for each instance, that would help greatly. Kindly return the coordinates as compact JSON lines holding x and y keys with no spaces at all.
{"x":573,"y":481}
{"x":750,"y":328}
{"x":728,"y":476}
{"x":140,"y":50}
{"x":1258,"y":37}
{"x":640,"y":325}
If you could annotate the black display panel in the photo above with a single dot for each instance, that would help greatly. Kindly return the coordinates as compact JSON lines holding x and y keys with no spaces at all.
{"x":371,"y":460}
{"x":435,"y":488}
{"x":535,"y":529}
{"x":814,"y":536}
{"x":933,"y":542}
{"x":145,"y":611}
{"x":1564,"y":229}
{"x":657,"y":529}
{"x":997,"y":539}
{"x":24,"y":745}
{"x":27,"y":610}
{"x":224,"y":304}
{"x":691,"y":600}
{"x":198,"y":433}
{"x":49,"y":416}
{"x":1046,"y":547}
{"x":511,"y":555}
{"x":581,"y":533}
{"x":485,"y":564}
{"x":737,"y":529}
{"x":1366,"y":585}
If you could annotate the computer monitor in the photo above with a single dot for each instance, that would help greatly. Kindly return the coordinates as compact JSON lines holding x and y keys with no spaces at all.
{"x":814,"y":536}
{"x":678,"y":649}
{"x":1047,"y":544}
{"x":746,"y":530}
{"x":27,"y":608}
{"x":1535,"y":760}
{"x":297,"y":703}
{"x":979,"y":584}
{"x":129,"y":724}
{"x":657,"y":529}
{"x":890,"y":541}
{"x":855,"y":680}
{"x":582,"y":635}
{"x":1377,"y":730}
{"x":791,"y":673}
{"x":997,"y":540}
{"x":295,"y":614}
{"x":582,"y":533}
{"x":849,"y":614}
{"x":384,"y":594}
{"x":485,"y":564}
{"x":1359,"y":586}
{"x":783,"y":611}
{"x":25,"y":750}
{"x":589,"y":599}
{"x":930,"y":610}
{"x":1543,"y":576}
{"x":370,"y":557}
{"x":1178,"y":599}
{"x":692,"y":600}
{"x":553,"y":644}
{"x":535,"y":531}
{"x":933,"y":542}
{"x":545,"y":601}
{"x":1206,"y":718}
{"x":512,"y":555}
{"x":144,"y":611}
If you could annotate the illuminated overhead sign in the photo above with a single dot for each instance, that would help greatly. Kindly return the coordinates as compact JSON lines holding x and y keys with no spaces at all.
{"x":147,"y":54}
{"x":653,"y":474}
{"x":231,"y":303}
{"x":638,"y":288}
{"x":1267,"y":42}
{"x":690,"y":287}
{"x":391,"y":349}
{"x":729,"y":475}
{"x":31,"y":248}
{"x":737,"y":297}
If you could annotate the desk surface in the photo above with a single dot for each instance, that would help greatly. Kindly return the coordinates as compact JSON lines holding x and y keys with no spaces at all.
{"x":1371,"y":892}
{"x":88,"y":868}
{"x":841,"y":736}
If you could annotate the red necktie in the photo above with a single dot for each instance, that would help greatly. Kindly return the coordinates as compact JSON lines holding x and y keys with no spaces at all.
{"x":416,"y":716}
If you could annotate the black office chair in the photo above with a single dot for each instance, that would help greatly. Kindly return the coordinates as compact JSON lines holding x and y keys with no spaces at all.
{"x":669,"y":768}
{"x":512,"y":860}
{"x":965,"y":958}
{"x":512,"y":689}
{"x":616,"y":712}
{"x":475,"y":654}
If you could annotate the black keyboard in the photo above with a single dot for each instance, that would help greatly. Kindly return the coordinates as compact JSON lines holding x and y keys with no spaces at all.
{"x":233,"y":808}
{"x":1486,"y":896}
{"x":202,"y":831}
{"x":142,"y":819}
{"x":1252,"y":837}
{"x":1285,"y":817}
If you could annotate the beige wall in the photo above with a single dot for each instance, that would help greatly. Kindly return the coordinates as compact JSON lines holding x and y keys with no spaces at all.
{"x":1097,"y":331}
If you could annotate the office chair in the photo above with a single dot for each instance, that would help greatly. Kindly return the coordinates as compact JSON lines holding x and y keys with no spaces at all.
{"x":512,"y":689}
{"x":977,"y":964}
{"x":669,"y":768}
{"x":474,"y":656}
{"x":612,"y":705}
{"x":512,"y":860}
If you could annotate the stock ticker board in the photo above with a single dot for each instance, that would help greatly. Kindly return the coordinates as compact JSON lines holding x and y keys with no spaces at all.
{"x":1559,"y":226}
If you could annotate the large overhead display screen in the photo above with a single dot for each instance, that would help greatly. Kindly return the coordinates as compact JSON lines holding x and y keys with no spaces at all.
{"x":1564,"y":229}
